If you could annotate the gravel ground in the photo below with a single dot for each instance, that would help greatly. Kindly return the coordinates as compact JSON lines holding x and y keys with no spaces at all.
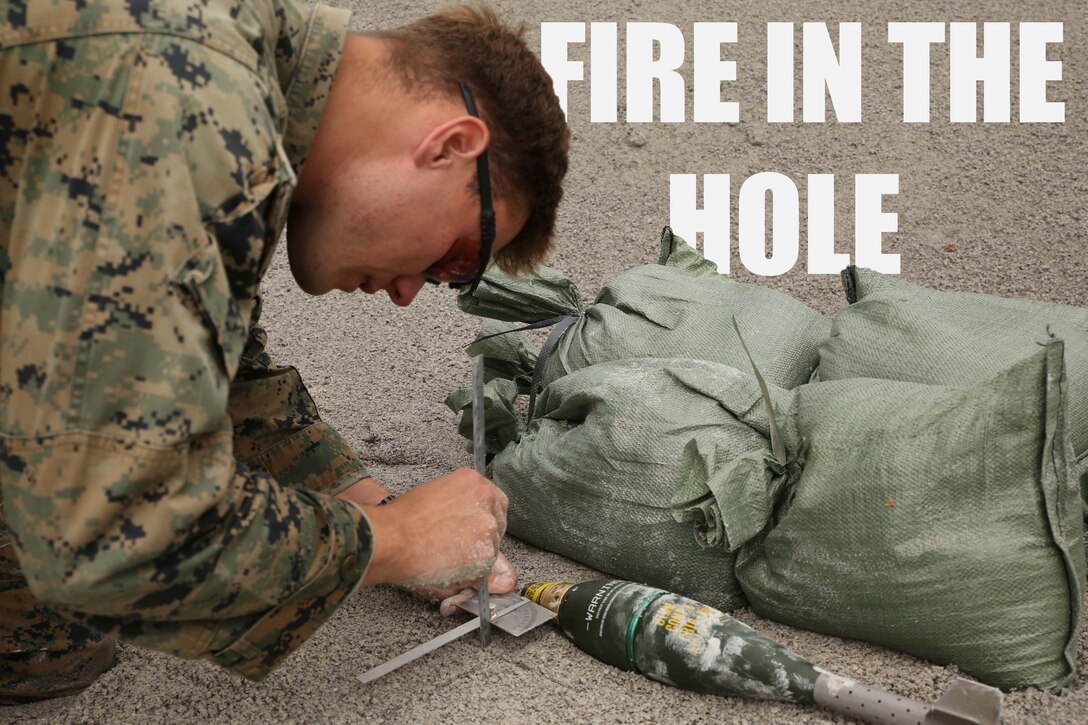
{"x":996,"y":208}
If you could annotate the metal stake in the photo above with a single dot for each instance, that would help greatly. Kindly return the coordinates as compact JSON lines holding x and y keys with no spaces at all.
{"x":479,"y":452}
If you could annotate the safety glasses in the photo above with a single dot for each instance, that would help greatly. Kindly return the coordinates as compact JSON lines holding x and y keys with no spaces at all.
{"x":464,"y":263}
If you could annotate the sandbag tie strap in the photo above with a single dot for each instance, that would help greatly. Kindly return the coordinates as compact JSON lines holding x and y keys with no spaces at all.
{"x":777,"y":446}
{"x":542,"y":357}
{"x":561,"y":323}
{"x":532,"y":326}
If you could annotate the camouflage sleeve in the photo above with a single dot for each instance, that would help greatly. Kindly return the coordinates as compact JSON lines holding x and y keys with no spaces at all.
{"x":307,"y":53}
{"x":277,"y":428}
{"x":276,"y":424}
{"x":140,"y":177}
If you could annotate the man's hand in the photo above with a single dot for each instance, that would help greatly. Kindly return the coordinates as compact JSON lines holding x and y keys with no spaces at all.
{"x":440,"y":535}
{"x":502,"y":579}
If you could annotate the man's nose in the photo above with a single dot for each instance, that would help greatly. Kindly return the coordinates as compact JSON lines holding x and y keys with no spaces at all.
{"x":402,"y":290}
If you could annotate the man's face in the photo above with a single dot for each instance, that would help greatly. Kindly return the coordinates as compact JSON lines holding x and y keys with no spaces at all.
{"x":380,"y":226}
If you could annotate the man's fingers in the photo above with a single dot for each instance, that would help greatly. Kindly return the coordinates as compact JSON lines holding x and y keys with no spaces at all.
{"x":499,"y":506}
{"x":449,"y":604}
{"x":503,"y":578}
{"x":449,"y":531}
{"x":495,"y":503}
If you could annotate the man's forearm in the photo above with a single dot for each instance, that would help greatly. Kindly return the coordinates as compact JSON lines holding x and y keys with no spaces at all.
{"x":235,"y":568}
{"x":365,"y":492}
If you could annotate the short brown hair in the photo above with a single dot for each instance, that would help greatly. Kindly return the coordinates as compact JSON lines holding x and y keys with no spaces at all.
{"x":516,"y":99}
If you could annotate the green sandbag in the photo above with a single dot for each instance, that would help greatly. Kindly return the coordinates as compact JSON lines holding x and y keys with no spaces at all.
{"x":941,"y":522}
{"x":540,"y":296}
{"x":938,"y":521}
{"x":684,"y":310}
{"x":594,"y":475}
{"x":507,"y":354}
{"x":896,"y":330}
{"x":680,"y":307}
{"x":500,"y":418}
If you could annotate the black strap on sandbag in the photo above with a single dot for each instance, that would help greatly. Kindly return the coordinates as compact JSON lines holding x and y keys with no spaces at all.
{"x":561,"y":322}
{"x":542,"y":357}
{"x":532,"y":326}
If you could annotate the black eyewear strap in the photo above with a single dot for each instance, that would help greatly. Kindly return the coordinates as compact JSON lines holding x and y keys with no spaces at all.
{"x":487,"y":211}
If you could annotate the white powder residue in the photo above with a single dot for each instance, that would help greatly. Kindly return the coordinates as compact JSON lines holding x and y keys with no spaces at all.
{"x":710,"y":654}
{"x":734,"y":646}
{"x":781,"y":680}
{"x":443,"y":578}
{"x":658,"y":671}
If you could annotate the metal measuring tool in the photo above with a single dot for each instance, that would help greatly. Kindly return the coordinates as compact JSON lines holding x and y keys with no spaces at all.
{"x":514,"y":614}
{"x":479,"y":461}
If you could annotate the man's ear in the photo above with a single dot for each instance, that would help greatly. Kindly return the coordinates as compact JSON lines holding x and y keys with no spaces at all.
{"x":454,"y":141}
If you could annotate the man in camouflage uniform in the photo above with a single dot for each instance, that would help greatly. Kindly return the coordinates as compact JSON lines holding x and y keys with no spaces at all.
{"x":161,"y":479}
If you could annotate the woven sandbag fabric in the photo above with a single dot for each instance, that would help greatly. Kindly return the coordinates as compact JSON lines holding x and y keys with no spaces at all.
{"x":593,"y":477}
{"x":540,"y":296}
{"x":681,"y":307}
{"x":896,"y":330}
{"x":938,"y":521}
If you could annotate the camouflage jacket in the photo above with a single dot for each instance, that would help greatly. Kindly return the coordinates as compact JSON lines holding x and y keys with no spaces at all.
{"x":159,"y":475}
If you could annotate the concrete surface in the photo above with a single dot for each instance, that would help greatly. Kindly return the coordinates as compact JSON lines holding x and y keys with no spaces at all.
{"x":994,"y":208}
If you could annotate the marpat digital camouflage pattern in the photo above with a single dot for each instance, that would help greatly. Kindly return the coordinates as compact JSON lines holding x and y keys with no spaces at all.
{"x":160,"y":475}
{"x":42,"y":654}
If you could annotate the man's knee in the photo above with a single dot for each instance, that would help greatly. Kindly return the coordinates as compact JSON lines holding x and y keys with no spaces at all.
{"x":41,"y":653}
{"x":41,"y":674}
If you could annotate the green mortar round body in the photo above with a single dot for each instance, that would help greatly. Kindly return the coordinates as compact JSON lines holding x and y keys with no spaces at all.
{"x":675,"y":640}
